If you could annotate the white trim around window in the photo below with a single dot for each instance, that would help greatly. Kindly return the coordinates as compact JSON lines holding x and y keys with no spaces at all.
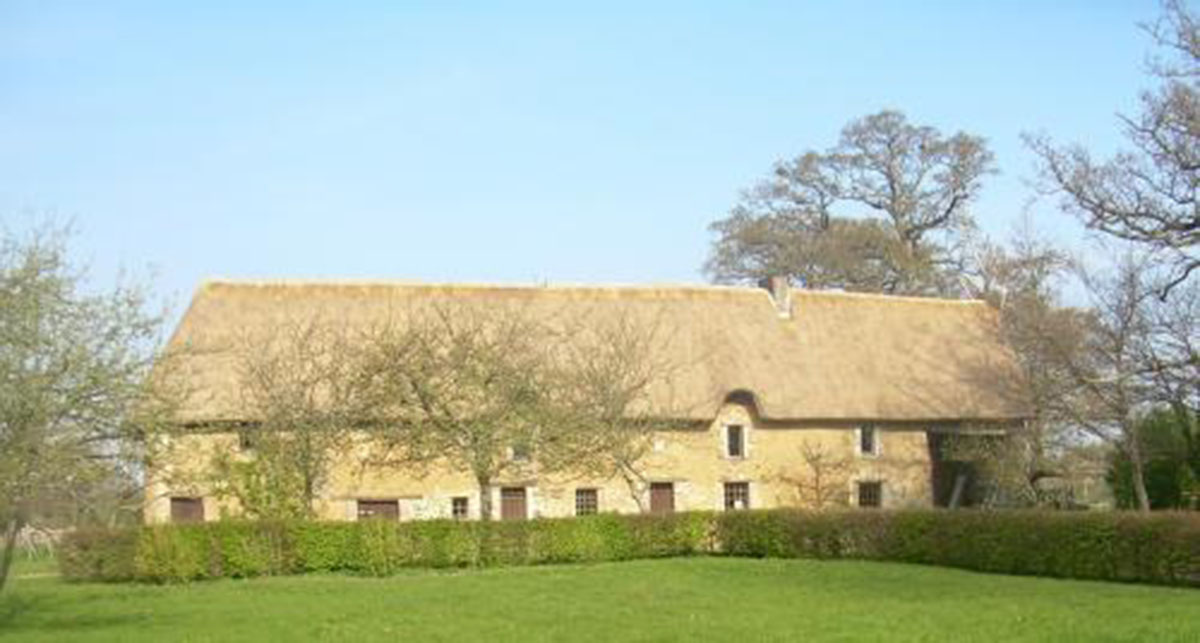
{"x":745,"y":440}
{"x":876,"y":440}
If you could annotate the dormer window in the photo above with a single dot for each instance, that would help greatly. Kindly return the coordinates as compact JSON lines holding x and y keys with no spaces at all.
{"x":520,"y":452}
{"x":245,"y":434}
{"x":735,"y":441}
{"x":868,"y":440}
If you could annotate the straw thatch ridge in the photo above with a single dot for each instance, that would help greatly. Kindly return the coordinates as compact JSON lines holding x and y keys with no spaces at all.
{"x":837,"y":356}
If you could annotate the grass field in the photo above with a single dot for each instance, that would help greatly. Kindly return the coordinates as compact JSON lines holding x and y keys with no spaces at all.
{"x":662,"y":600}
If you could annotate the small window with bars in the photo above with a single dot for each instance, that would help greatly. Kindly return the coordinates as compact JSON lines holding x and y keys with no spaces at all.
{"x":587,"y":502}
{"x":870,"y":494}
{"x":737,"y":495}
{"x":459,"y":506}
{"x":735,"y":441}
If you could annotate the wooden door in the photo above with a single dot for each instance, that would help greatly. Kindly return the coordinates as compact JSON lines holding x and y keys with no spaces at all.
{"x":512,"y":503}
{"x":662,"y":497}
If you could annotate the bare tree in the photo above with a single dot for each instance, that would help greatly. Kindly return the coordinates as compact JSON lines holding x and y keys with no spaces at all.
{"x":73,"y":386}
{"x":1111,"y":388}
{"x":825,"y":481}
{"x":1173,"y":365}
{"x":609,"y":368}
{"x":500,"y":391}
{"x":882,"y":211}
{"x":1147,"y":194}
{"x":302,"y":402}
{"x":1022,"y":281}
{"x":467,"y":386}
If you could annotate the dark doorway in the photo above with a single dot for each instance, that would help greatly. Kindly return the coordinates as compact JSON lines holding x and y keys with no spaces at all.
{"x":187,"y":510}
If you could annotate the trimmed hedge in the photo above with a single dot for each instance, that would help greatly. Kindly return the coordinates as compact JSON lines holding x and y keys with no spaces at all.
{"x":98,"y":555}
{"x":1161,"y":548}
{"x":240,"y":549}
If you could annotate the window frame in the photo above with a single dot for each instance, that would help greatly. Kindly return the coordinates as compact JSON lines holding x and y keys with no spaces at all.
{"x":861,"y":433}
{"x":247,"y":440}
{"x":878,"y":495}
{"x":465,"y":512}
{"x":377,"y":502}
{"x":582,"y":501}
{"x":742,"y":442}
{"x":520,"y":452}
{"x":742,"y":488}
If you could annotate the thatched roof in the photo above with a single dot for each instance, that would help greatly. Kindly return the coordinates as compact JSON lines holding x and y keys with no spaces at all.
{"x":838,"y":356}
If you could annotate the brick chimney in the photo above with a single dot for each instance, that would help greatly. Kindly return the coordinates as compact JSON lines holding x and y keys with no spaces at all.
{"x":780,"y":290}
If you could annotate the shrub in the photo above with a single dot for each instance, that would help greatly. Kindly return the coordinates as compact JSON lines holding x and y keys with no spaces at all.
{"x":174,"y":553}
{"x":1161,"y":548}
{"x":98,"y":554}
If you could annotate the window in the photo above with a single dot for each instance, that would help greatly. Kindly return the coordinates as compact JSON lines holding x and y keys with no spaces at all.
{"x":512,"y":503}
{"x":187,"y":510}
{"x":381,"y":509}
{"x":870,"y":494}
{"x":246,"y":437}
{"x":868,"y":441}
{"x":737,"y":495}
{"x":587,"y":502}
{"x":662,"y":497}
{"x":735,"y":441}
{"x":459,"y":507}
{"x":520,"y":452}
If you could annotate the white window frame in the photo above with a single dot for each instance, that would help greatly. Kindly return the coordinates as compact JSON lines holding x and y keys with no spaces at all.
{"x":745,"y":441}
{"x":467,"y":515}
{"x":750,"y":495}
{"x":877,"y":440}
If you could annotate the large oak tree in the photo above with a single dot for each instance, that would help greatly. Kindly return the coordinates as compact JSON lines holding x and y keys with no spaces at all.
{"x":884,"y":210}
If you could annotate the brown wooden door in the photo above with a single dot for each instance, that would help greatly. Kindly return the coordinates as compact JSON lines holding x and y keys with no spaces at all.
{"x":662,"y":497}
{"x":187,"y":510}
{"x":512,"y":503}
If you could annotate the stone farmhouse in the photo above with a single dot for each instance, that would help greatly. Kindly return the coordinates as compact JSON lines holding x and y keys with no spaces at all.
{"x":770,"y":376}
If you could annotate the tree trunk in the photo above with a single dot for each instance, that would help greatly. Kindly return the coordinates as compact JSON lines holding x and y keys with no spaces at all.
{"x":485,"y":500}
{"x":309,"y":497}
{"x":636,"y":485}
{"x":10,"y":547}
{"x":1138,"y":472}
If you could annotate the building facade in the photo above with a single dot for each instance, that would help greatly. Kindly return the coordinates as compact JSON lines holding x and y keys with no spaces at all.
{"x":783,"y":398}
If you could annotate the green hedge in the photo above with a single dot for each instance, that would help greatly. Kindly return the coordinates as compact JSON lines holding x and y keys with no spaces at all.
{"x":239,"y":549}
{"x":98,"y":554}
{"x":1160,"y":548}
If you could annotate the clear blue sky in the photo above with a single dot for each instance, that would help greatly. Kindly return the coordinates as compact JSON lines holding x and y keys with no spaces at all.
{"x":504,"y":143}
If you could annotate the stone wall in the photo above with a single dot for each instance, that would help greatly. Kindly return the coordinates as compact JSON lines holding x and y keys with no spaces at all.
{"x":781,"y":464}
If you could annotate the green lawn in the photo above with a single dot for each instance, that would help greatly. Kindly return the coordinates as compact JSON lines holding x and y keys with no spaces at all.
{"x":664,"y":600}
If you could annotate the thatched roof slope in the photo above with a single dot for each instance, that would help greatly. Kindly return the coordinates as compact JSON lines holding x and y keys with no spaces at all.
{"x":839,"y":356}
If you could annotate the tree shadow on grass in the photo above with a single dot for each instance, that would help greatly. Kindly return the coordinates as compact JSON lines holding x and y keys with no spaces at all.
{"x":42,"y":614}
{"x":13,"y":607}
